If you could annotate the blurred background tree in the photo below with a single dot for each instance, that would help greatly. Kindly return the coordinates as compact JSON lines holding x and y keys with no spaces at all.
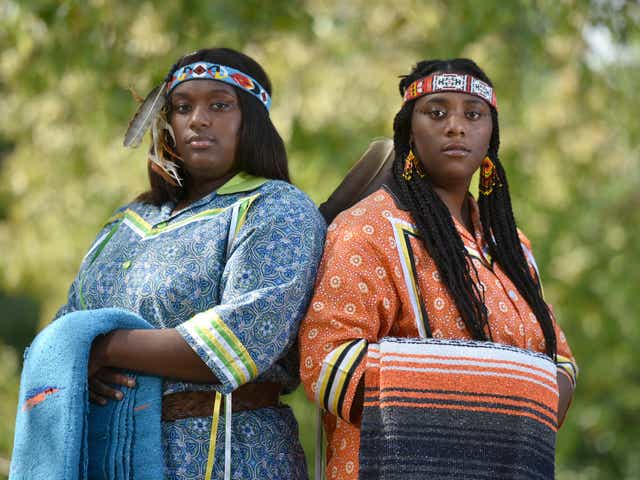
{"x":566,"y":72}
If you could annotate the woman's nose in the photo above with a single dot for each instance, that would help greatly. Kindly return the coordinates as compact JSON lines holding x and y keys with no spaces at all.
{"x":200,"y":117}
{"x":455,"y":125}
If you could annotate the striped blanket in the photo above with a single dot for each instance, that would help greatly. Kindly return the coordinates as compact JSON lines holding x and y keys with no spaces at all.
{"x":451,"y":409}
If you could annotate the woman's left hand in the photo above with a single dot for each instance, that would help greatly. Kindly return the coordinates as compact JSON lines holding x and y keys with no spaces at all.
{"x":100,"y":389}
{"x":101,"y":377}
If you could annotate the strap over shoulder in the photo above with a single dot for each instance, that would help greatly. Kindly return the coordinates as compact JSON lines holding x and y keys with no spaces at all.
{"x":367,"y":175}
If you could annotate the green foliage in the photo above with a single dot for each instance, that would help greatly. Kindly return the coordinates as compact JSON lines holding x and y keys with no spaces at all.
{"x":9,"y":377}
{"x":566,"y":76}
{"x":24,"y":315}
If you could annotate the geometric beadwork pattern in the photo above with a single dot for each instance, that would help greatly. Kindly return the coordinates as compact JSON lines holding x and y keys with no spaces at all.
{"x":222,"y":73}
{"x":451,"y":82}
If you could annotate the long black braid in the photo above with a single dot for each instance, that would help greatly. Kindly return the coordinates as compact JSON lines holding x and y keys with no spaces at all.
{"x":439,"y":233}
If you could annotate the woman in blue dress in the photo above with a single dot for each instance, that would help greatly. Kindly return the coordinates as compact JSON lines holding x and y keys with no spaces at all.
{"x":220,"y":255}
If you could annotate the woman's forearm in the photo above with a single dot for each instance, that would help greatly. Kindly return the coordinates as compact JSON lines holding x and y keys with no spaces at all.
{"x":160,"y":352}
{"x":565,"y":390}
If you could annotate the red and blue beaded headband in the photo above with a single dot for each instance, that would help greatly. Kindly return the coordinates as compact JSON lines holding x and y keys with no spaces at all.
{"x":451,"y":82}
{"x":222,"y":73}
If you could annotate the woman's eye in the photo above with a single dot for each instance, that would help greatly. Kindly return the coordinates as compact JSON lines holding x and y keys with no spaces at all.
{"x":436,"y":114}
{"x":220,"y":106}
{"x":473,"y":115}
{"x":181,"y":108}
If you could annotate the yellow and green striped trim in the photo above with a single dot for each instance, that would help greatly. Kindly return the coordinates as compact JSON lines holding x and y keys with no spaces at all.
{"x":238,"y":217}
{"x":223,"y":346}
{"x":147,"y":231}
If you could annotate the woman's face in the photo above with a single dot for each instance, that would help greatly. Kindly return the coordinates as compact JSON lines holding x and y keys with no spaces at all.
{"x":451,"y":132}
{"x":206,"y":120}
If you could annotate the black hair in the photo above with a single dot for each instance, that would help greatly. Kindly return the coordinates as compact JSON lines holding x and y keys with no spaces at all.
{"x":439,"y":233}
{"x":260,"y":150}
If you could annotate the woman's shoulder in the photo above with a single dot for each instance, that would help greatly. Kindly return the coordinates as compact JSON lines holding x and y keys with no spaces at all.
{"x":370,"y":221}
{"x":278,"y":198}
{"x":379,"y":207}
{"x":283,"y":195}
{"x":285,"y":190}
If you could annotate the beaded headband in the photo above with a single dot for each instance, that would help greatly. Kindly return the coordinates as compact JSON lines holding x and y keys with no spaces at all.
{"x":451,"y":82}
{"x":222,"y":73}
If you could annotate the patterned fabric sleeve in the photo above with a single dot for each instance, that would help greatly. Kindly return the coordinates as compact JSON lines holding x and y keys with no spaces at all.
{"x":565,"y":361}
{"x":74,"y":297}
{"x":266,"y":285}
{"x":354,"y":305}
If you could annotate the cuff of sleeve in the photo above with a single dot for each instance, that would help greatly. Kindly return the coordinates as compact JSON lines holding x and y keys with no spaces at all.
{"x":220,"y":349}
{"x":568,"y":367}
{"x":341,"y":371}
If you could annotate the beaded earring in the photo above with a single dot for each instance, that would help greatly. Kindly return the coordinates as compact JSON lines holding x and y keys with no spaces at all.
{"x":488,"y":177}
{"x":411,"y":163}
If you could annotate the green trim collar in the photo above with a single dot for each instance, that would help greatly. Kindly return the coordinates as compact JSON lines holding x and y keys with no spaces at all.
{"x":241,"y":182}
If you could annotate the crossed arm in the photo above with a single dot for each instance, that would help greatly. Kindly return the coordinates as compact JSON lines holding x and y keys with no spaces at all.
{"x":163,"y":353}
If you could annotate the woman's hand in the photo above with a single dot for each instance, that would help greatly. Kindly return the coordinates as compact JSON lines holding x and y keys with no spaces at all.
{"x":101,"y":392}
{"x":101,"y":377}
{"x":565,"y":390}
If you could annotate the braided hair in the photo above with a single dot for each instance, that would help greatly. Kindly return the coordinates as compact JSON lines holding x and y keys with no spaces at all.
{"x":439,"y":233}
{"x":260,"y":149}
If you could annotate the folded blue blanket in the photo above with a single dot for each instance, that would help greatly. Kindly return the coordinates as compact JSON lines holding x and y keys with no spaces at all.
{"x":59,"y":434}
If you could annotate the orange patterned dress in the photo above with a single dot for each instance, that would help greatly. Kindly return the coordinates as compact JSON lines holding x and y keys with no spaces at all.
{"x":377,"y":280}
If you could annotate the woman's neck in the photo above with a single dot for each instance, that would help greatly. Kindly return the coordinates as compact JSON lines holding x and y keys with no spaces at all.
{"x":195,"y":190}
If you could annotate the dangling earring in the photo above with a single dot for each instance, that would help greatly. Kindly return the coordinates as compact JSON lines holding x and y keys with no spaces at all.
{"x":488,"y":177}
{"x":412,"y":163}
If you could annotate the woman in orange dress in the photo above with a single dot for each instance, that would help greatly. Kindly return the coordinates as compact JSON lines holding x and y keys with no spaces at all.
{"x":415,"y":259}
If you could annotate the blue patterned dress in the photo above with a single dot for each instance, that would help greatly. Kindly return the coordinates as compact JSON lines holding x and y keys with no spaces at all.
{"x":233,"y":273}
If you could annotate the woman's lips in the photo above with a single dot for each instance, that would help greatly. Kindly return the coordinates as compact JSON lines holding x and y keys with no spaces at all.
{"x":200,"y":143}
{"x":456,"y":153}
{"x":456,"y":150}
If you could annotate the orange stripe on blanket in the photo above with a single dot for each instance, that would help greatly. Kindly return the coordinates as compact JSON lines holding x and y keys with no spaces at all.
{"x":409,"y":375}
{"x":459,"y":362}
{"x":412,"y":371}
{"x":38,"y":395}
{"x":464,"y":358}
